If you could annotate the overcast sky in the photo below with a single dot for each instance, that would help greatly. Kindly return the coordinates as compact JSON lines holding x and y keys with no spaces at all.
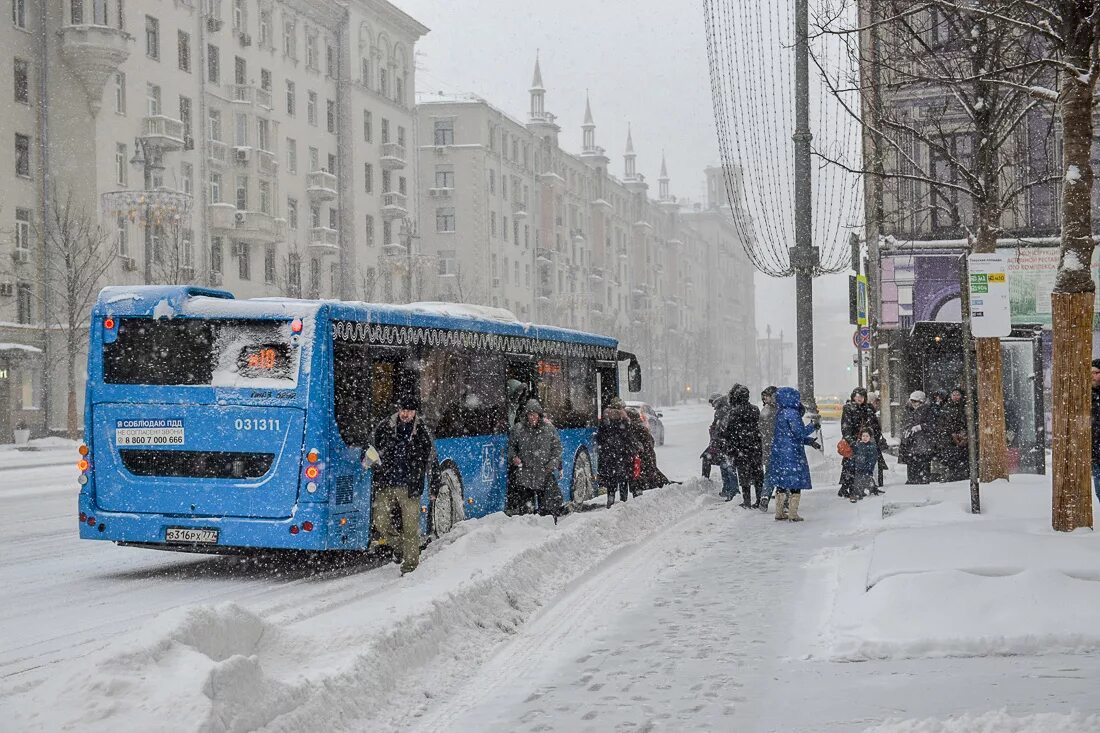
{"x":645,"y":67}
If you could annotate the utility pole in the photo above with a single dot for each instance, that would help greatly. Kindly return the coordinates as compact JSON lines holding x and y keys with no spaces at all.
{"x":408,"y":233}
{"x":804,"y":256}
{"x":149,"y":157}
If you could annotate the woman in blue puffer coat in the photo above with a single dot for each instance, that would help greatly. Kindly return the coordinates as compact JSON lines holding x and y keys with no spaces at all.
{"x":788,"y":469}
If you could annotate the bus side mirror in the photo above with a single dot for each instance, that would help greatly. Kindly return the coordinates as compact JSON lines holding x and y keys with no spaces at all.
{"x":634,"y":376}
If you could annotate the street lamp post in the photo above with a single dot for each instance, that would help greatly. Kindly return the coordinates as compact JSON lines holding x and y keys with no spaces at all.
{"x":149,"y":157}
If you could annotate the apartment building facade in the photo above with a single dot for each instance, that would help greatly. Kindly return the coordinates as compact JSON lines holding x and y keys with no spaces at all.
{"x":258,"y":145}
{"x":511,"y":219}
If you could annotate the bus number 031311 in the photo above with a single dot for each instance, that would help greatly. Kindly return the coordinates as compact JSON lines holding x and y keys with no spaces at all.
{"x":260,"y":423}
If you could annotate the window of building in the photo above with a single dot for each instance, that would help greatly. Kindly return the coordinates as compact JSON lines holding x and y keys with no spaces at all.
{"x":399,"y":88}
{"x":152,"y":37}
{"x":333,"y":215}
{"x":330,"y":61}
{"x":314,"y":277}
{"x":314,"y":159}
{"x":264,"y":39}
{"x":22,"y":155}
{"x":185,"y":118}
{"x":492,"y":182}
{"x":265,"y":197}
{"x":242,"y":193}
{"x":187,"y":176}
{"x":492,"y":223}
{"x":238,"y":15}
{"x":269,"y":265}
{"x":290,"y":39}
{"x":292,"y":213}
{"x":215,"y":187}
{"x":187,"y":249}
{"x":214,"y":122}
{"x":330,"y":115}
{"x":368,"y":123}
{"x":122,"y":235}
{"x":23,"y":309}
{"x":515,"y":235}
{"x":444,"y":132}
{"x":242,"y":130}
{"x":314,"y":216}
{"x":244,"y":261}
{"x":311,"y":108}
{"x":291,"y":155}
{"x":311,"y":50}
{"x":383,"y":81}
{"x":444,"y":178}
{"x":152,"y":97}
{"x":445,"y":220}
{"x":368,"y":178}
{"x":213,"y":64}
{"x":331,"y":163}
{"x":184,"y":44}
{"x":263,"y":134}
{"x":121,"y":160}
{"x":387,"y":181}
{"x":216,"y":255}
{"x":387,"y":231}
{"x":240,"y":70}
{"x":19,"y":13}
{"x":370,"y":231}
{"x":120,"y":93}
{"x":265,"y":79}
{"x":22,"y":81}
{"x":23,"y":229}
{"x":294,"y":274}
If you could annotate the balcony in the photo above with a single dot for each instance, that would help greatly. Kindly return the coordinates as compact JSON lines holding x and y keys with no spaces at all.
{"x":217,"y":152}
{"x":394,"y":205}
{"x":441,"y":193}
{"x":393,"y":156}
{"x":94,"y":53}
{"x":643,"y":226}
{"x":267,"y":163}
{"x":162,"y":132}
{"x":324,"y":241}
{"x":321,"y":186}
{"x":578,"y":236}
{"x":597,"y":275}
{"x":601,"y":203}
{"x":256,"y":226}
{"x":544,"y":256}
{"x":248,"y":94}
{"x":394,"y":249}
{"x":519,"y":209}
{"x":221,"y":217}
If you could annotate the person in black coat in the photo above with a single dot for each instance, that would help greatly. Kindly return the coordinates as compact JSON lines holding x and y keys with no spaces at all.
{"x":650,"y":476}
{"x":951,"y":429}
{"x":857,"y":415}
{"x":619,"y":453}
{"x":743,"y":439}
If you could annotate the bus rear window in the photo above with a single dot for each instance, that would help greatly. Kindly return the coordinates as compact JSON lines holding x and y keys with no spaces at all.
{"x":183,"y":351}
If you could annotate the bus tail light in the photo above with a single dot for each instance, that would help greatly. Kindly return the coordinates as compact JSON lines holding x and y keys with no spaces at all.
{"x":294,"y":529}
{"x":82,"y":450}
{"x":296,"y":325}
{"x":91,"y":521}
{"x":83,"y":465}
{"x":83,"y":517}
{"x":313,"y":456}
{"x":109,"y":323}
{"x":312,"y":472}
{"x":307,"y":526}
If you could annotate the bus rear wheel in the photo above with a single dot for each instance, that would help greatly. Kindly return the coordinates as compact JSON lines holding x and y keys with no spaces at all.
{"x":448,"y":508}
{"x":583,"y":486}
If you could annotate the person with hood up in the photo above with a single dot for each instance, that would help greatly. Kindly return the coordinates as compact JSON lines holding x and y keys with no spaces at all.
{"x":534,"y":455}
{"x":650,"y":476}
{"x":406,"y":456}
{"x":618,"y":451}
{"x":788,"y":469}
{"x":916,"y":440}
{"x":743,"y":438}
{"x":857,"y":414}
{"x":718,"y":451}
{"x":863,"y":462}
{"x":767,"y":432}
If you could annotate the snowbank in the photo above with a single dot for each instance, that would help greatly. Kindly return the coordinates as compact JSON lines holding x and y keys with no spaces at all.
{"x":996,"y":721}
{"x":336,"y":659}
{"x":930,"y":579}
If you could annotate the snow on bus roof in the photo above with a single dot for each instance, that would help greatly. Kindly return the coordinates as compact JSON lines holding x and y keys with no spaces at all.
{"x":465,"y":310}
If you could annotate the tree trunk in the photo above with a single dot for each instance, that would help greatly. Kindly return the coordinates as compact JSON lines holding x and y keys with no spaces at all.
{"x":1072,"y":426}
{"x":72,"y":422}
{"x":1072,"y":299}
{"x":992,"y":445}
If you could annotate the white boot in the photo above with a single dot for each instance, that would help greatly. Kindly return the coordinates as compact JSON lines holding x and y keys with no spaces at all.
{"x":796,"y":497}
{"x":781,"y":505}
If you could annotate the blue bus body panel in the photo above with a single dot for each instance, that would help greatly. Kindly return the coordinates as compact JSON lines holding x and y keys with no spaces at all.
{"x":573,"y":440}
{"x":481,"y":465}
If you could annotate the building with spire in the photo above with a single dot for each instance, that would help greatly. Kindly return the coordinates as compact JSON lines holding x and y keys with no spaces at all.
{"x":511,"y":219}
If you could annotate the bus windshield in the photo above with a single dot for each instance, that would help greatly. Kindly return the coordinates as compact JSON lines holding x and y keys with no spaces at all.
{"x":189,"y":351}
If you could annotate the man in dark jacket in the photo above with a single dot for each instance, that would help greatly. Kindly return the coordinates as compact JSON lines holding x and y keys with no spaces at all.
{"x":406,"y":456}
{"x":743,"y":437}
{"x":916,"y":442}
{"x":534,"y":453}
{"x":1096,"y":426}
{"x":618,"y":451}
{"x":857,"y":415}
{"x":951,"y":429}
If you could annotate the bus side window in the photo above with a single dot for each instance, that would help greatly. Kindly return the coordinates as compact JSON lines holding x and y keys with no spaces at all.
{"x":393,"y":374}
{"x":351,"y":392}
{"x":609,"y":381}
{"x":463,"y":392}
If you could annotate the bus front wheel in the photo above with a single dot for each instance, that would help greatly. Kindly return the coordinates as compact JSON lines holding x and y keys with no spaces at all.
{"x":448,"y":508}
{"x":583,"y":486}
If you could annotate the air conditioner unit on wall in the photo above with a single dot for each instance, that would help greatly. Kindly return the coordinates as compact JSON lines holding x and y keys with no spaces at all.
{"x":246,"y":40}
{"x":7,"y":289}
{"x":242,"y":155}
{"x":129,"y":264}
{"x":213,"y":24}
{"x":21,"y":256}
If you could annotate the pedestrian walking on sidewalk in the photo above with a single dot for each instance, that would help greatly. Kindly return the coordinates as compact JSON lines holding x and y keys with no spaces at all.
{"x":534,"y":454}
{"x":788,"y":469}
{"x":743,"y":436}
{"x":767,"y":433}
{"x":619,"y":453}
{"x":863,"y":463}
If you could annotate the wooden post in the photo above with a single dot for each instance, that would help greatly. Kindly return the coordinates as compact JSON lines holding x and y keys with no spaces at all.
{"x":993,"y":447}
{"x":1072,"y":426}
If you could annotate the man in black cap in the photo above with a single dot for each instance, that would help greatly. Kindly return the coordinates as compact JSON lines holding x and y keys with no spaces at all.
{"x":406,"y":456}
{"x":1096,"y":426}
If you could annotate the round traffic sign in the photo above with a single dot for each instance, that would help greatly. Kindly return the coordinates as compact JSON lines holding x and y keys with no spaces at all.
{"x":861,"y":339}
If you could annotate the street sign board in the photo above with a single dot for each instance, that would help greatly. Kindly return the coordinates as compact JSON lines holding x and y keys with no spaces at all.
{"x":861,"y":339}
{"x":990,"y":314}
{"x":861,"y":300}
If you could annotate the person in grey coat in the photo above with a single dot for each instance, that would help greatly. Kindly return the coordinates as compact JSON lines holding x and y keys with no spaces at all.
{"x":534,"y":459}
{"x":768,"y":411}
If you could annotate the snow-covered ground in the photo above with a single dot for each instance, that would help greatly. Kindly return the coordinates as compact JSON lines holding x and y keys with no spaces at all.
{"x":673,"y":612}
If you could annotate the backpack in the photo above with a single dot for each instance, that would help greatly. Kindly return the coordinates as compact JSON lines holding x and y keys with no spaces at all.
{"x":844,"y":448}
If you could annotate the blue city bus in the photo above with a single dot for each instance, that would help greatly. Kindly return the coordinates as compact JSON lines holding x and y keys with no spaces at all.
{"x":220,"y":425}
